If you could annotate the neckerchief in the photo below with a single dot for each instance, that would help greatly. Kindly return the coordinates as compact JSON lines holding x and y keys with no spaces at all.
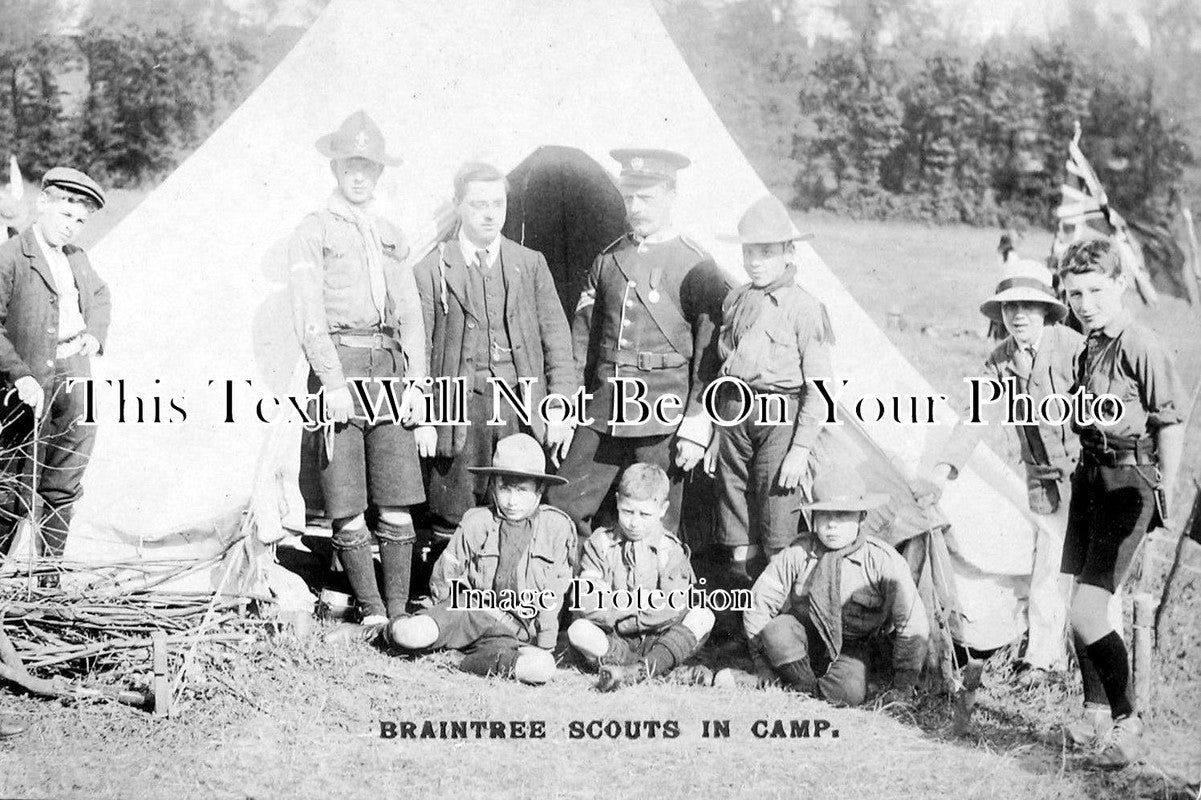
{"x":364,"y":221}
{"x":749,"y":307}
{"x":825,"y":592}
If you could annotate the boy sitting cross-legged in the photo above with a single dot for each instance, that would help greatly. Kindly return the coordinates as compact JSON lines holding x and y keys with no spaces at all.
{"x":636,"y":643}
{"x":516,"y":548}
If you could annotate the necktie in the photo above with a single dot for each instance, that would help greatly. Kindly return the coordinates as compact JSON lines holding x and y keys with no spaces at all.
{"x":629,"y":561}
{"x":481,"y":258}
{"x":1023,"y":364}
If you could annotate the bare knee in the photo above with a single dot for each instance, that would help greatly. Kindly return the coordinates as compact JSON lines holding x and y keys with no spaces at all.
{"x":414,"y":633}
{"x":534,"y":666}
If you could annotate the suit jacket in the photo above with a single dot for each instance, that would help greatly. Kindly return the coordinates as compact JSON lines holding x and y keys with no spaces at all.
{"x":1049,"y":452}
{"x":29,"y":307}
{"x":538,"y":331}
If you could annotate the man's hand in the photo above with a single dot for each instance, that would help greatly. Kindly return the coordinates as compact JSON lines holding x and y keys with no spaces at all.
{"x":427,"y":440}
{"x":792,"y":471}
{"x":627,"y":626}
{"x":558,"y":441}
{"x":412,"y":403}
{"x":339,"y":404}
{"x":29,"y":392}
{"x":688,"y":454}
{"x":91,"y":345}
{"x":927,"y":490}
{"x":710,"y":464}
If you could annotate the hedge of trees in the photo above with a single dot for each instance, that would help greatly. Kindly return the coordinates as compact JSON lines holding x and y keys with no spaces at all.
{"x":903,"y":117}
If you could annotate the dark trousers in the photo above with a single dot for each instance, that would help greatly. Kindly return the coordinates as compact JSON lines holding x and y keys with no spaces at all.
{"x":490,"y":645}
{"x":789,"y":638}
{"x":751,"y":507}
{"x":677,"y":640}
{"x":451,"y":489}
{"x":63,"y":448}
{"x":593,"y":466}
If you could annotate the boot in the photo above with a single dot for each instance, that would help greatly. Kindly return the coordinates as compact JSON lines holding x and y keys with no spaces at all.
{"x":798,"y":675}
{"x":614,"y":676}
{"x":1122,"y":745}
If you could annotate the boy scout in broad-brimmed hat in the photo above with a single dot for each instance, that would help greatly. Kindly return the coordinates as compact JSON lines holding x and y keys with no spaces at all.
{"x":1038,"y":353}
{"x":818,"y":602}
{"x":648,"y":312}
{"x":358,"y":315}
{"x":516,"y":546}
{"x":774,"y":338}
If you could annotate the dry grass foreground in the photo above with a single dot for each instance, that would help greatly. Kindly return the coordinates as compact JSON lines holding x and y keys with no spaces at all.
{"x":304,"y":721}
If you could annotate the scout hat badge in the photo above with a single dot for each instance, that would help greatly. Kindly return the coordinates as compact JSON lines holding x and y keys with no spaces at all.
{"x":357,"y":137}
{"x":1024,"y":281}
{"x":519,"y":456}
{"x":766,"y":222}
{"x":841,"y":489}
{"x":648,"y":165}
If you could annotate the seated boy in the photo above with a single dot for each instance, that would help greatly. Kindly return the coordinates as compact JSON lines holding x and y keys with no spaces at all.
{"x":817,"y":604}
{"x":516,"y":548}
{"x":637,"y":643}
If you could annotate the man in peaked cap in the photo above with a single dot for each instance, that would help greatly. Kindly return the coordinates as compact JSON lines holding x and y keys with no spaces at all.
{"x":54,"y":315}
{"x":649,"y":312}
{"x":358,"y":315}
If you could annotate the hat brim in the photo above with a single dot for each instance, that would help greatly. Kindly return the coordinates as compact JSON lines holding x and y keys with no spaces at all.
{"x":516,"y":473}
{"x":727,"y":238}
{"x":864,"y":502}
{"x":325,"y":147}
{"x":991,"y":308}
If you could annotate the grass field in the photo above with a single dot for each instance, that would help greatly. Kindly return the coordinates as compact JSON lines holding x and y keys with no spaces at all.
{"x":296,"y":718}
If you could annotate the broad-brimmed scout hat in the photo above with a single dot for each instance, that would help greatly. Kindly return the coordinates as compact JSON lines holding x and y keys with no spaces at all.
{"x":519,"y":456}
{"x":766,"y":222}
{"x":357,"y":137}
{"x":75,"y":182}
{"x":649,"y":165}
{"x":841,"y":489}
{"x":1025,"y":281}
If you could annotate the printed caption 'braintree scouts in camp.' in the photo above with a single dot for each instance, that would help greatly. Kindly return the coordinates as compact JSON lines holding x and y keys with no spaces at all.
{"x":649,"y":311}
{"x":358,"y":314}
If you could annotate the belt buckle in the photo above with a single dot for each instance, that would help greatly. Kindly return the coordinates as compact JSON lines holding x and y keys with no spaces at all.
{"x":643,"y":362}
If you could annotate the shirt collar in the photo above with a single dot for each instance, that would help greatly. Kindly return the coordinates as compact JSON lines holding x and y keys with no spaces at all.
{"x":339,"y":205}
{"x":652,"y":542}
{"x":47,"y":249}
{"x":1032,"y":346}
{"x":658,"y":237}
{"x":469,"y":249}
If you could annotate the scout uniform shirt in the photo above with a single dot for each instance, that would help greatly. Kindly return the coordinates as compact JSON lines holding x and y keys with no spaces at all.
{"x":877,"y":592}
{"x":649,"y":311}
{"x":348,"y":276}
{"x":659,"y":561}
{"x":776,"y":338}
{"x":1127,"y":360}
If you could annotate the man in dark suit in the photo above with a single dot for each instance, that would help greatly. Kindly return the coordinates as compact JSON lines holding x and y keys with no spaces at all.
{"x":649,"y":312}
{"x":492,"y":316}
{"x":54,"y":315}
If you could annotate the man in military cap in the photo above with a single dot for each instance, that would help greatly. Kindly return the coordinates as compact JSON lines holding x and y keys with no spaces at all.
{"x":649,"y":312}
{"x":54,"y":315}
{"x":358,"y":315}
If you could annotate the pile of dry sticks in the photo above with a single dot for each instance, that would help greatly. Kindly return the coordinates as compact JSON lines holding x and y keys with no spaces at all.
{"x":101,"y":638}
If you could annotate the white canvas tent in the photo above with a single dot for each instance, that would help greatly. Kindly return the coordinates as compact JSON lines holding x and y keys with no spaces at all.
{"x":199,"y":282}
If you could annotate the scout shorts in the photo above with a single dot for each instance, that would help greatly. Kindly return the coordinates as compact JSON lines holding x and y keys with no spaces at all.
{"x":1109,"y":515}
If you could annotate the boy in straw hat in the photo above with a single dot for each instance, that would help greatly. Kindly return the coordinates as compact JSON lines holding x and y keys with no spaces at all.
{"x":358,"y":315}
{"x":1038,"y":353}
{"x":819,"y":602}
{"x":775,"y":339}
{"x":637,"y":641}
{"x":515,"y":548}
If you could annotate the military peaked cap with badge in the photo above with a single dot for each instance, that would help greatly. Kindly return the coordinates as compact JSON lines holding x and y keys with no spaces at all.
{"x":648,"y":164}
{"x":75,"y":182}
{"x":357,"y":137}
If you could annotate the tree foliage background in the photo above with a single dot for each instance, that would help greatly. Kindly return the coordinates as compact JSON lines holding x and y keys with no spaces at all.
{"x":903,"y":116}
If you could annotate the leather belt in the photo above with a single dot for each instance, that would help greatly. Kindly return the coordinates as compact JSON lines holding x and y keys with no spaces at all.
{"x":366,"y":341}
{"x":1116,"y":458}
{"x":644,"y":361}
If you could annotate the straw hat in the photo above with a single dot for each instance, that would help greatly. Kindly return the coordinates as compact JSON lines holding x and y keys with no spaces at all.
{"x":1024,"y":281}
